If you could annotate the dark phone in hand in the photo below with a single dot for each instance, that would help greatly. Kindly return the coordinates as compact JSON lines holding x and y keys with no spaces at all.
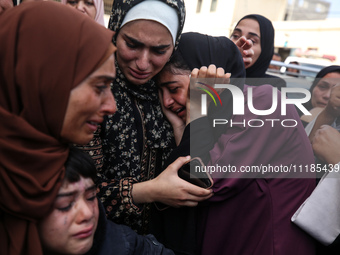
{"x":188,"y":173}
{"x":194,"y":172}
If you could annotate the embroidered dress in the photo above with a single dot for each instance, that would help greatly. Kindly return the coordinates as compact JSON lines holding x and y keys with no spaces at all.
{"x":136,"y":141}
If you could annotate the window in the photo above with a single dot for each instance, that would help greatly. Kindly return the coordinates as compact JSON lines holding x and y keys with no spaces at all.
{"x":199,"y":5}
{"x":213,"y":5}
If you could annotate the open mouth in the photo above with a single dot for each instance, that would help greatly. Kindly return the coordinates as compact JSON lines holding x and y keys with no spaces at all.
{"x":93,"y":125}
{"x":180,"y":110}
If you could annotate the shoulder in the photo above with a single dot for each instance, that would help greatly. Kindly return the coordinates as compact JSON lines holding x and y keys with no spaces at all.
{"x":276,"y":81}
{"x":121,"y":240}
{"x":115,"y":241}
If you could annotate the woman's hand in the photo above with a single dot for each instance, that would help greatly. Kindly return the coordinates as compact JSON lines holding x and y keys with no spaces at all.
{"x":170,"y":189}
{"x":207,"y":75}
{"x":329,"y":113}
{"x":245,"y":46}
{"x":333,"y":106}
{"x":326,"y":144}
{"x":211,"y":72}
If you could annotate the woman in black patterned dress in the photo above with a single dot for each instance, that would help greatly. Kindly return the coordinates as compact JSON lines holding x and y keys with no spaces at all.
{"x":137,"y":139}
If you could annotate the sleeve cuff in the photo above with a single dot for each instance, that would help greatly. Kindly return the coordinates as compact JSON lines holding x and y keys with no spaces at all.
{"x":125,"y":189}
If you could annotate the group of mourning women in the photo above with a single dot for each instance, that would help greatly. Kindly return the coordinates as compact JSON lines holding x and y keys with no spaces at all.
{"x":69,"y":84}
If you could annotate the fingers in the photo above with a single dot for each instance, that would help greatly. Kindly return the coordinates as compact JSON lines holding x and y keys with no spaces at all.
{"x":221,"y":74}
{"x":326,"y":130}
{"x":244,"y":43}
{"x":335,"y":92}
{"x":247,"y":45}
{"x":247,"y":62}
{"x":190,"y":199}
{"x":241,"y":41}
{"x":194,"y":73}
{"x":188,"y":204}
{"x":248,"y":53}
{"x":202,"y":72}
{"x":326,"y":143}
{"x":193,"y":201}
{"x":178,"y":163}
{"x":209,"y":72}
{"x":197,"y":193}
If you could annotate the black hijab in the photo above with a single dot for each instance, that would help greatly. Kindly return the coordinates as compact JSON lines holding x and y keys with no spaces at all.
{"x":202,"y":50}
{"x":175,"y":227}
{"x":259,"y":68}
{"x":322,"y":73}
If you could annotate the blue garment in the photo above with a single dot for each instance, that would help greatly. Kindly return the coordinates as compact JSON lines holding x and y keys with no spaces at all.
{"x":111,"y":238}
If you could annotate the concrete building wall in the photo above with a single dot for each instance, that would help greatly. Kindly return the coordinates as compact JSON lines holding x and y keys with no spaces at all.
{"x":271,"y":9}
{"x":209,"y":22}
{"x":307,"y":10}
{"x":302,"y":35}
{"x":321,"y":35}
{"x":228,"y":12}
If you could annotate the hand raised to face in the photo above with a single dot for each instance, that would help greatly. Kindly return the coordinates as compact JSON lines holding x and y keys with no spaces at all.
{"x":202,"y":81}
{"x":333,"y":106}
{"x":326,"y":144}
{"x":245,"y":47}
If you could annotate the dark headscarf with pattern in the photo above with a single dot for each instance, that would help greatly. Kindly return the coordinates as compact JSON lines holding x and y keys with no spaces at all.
{"x":157,"y":128}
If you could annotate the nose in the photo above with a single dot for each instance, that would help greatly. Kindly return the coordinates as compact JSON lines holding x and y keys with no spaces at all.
{"x":81,"y":6}
{"x":109,"y":105}
{"x":86,"y":211}
{"x":167,"y":99}
{"x":143,"y":60}
{"x":327,"y":94}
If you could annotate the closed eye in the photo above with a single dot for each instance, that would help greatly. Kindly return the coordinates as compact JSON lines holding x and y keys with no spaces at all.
{"x":173,"y":90}
{"x":66,"y":208}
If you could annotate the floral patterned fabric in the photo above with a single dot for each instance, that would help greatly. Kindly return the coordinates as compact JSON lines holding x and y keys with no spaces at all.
{"x":136,"y":140}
